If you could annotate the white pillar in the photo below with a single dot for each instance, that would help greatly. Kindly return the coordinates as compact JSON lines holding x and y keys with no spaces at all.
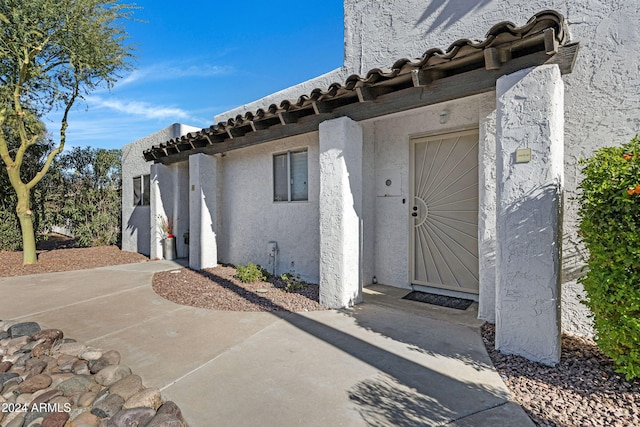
{"x":203,"y":248}
{"x":530,"y":116}
{"x":340,"y":212}
{"x":161,"y":183}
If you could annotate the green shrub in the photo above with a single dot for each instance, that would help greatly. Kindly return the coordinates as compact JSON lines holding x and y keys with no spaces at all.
{"x":292,"y":282}
{"x":610,"y":228}
{"x":10,"y":235}
{"x":250,"y":273}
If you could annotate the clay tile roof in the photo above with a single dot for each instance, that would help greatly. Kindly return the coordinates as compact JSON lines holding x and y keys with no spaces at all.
{"x":504,"y":48}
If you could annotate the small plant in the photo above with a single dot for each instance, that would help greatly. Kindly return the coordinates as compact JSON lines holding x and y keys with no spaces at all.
{"x":292,"y":282}
{"x":609,"y":223}
{"x":250,"y":273}
{"x":166,"y":225}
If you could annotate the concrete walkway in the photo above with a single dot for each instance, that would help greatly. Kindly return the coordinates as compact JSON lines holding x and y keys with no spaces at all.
{"x":387,"y":362}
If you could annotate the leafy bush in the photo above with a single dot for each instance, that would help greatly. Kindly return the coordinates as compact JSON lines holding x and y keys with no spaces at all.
{"x":250,"y":273}
{"x":610,"y":227}
{"x":10,"y":236}
{"x":292,"y":282}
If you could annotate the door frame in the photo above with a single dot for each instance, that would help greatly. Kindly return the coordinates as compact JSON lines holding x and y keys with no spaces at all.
{"x":411,"y":250}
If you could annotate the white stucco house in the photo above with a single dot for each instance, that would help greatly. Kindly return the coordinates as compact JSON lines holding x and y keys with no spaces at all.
{"x":451,"y":172}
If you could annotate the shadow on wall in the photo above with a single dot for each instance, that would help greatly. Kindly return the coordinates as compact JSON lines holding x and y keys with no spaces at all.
{"x":452,"y":11}
{"x":139,"y":224}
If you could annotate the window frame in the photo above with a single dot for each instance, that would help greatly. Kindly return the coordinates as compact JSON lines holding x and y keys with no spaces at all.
{"x":142,"y":190}
{"x":290,"y":176}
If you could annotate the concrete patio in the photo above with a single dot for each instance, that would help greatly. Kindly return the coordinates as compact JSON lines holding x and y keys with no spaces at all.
{"x":386,"y":362}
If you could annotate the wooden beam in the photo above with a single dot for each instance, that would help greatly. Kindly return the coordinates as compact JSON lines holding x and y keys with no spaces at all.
{"x":550,"y":42}
{"x":320,"y":107}
{"x":287,"y":118}
{"x":440,"y":90}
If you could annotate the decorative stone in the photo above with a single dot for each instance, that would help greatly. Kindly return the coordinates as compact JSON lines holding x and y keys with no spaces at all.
{"x":35,"y":366}
{"x":91,"y":354}
{"x":5,"y":366}
{"x":16,"y":421}
{"x":71,"y":348}
{"x":164,"y":420}
{"x":6,"y":377}
{"x":80,"y":367}
{"x":42,"y":348}
{"x":76,"y":384}
{"x":86,"y":419}
{"x":112,"y":374}
{"x":108,"y":406}
{"x":65,"y":362}
{"x":35,"y":383}
{"x":111,"y":357}
{"x":34,"y":423}
{"x":171,"y":408}
{"x":148,"y":398}
{"x":48,"y":334}
{"x":46,"y":396}
{"x":132,"y":417}
{"x":23,"y":329}
{"x":127,"y":386}
{"x":87,"y":398}
{"x":24,"y":398}
{"x":31,"y":417}
{"x":59,"y":377}
{"x":17,"y":343}
{"x":55,"y":419}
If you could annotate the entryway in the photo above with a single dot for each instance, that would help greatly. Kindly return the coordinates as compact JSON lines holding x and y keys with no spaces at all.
{"x":444,"y":212}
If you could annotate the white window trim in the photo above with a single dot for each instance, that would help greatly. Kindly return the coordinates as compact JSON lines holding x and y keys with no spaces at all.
{"x":289,"y":178}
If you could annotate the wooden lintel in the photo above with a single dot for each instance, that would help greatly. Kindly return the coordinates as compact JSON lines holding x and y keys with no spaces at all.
{"x":287,"y":118}
{"x":366,"y":93}
{"x":419,"y":78}
{"x":439,"y":90}
{"x":320,"y":107}
{"x":550,"y":42}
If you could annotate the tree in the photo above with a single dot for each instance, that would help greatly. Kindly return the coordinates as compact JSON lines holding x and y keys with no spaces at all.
{"x":52,"y":52}
{"x":89,"y":195}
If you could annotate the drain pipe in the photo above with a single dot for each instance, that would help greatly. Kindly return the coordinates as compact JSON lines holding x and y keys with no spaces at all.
{"x":272,"y":251}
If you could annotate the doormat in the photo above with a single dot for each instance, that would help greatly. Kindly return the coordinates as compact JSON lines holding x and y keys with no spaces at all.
{"x":441,"y":300}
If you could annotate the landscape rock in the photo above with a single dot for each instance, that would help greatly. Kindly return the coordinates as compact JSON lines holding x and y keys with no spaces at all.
{"x":108,"y":358}
{"x":55,"y":419}
{"x":108,"y":406}
{"x":171,"y":408}
{"x":112,"y":374}
{"x":76,"y":384}
{"x":35,"y":383}
{"x":148,"y":398}
{"x":23,"y":329}
{"x":85,"y":419}
{"x":132,"y":417}
{"x":49,"y":334}
{"x":71,"y":348}
{"x":91,"y":353}
{"x":127,"y":386}
{"x":164,"y":420}
{"x":5,"y":366}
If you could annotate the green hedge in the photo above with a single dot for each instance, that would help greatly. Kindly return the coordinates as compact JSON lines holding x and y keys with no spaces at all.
{"x":610,"y":228}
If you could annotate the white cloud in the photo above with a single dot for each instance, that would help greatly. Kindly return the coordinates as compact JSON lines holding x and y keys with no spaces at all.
{"x":170,"y":71}
{"x":144,"y":109}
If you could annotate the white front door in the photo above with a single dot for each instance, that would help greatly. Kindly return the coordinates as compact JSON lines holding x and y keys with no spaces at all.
{"x":444,"y":211}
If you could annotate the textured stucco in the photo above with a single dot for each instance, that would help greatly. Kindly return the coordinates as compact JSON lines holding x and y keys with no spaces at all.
{"x":248,"y":218}
{"x":136,"y":224}
{"x":530,"y":115}
{"x":341,"y":212}
{"x":203,"y":209}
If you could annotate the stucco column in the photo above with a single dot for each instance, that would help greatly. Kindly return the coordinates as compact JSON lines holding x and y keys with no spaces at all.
{"x":161,"y":185}
{"x":203,"y":247}
{"x":340,"y":212}
{"x":530,"y":116}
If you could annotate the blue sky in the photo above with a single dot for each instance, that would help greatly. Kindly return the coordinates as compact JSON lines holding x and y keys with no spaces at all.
{"x":196,"y":59}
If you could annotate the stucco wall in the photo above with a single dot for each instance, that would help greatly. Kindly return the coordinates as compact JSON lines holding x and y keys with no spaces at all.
{"x":136,"y":224}
{"x":602,"y":103}
{"x":249,"y":218}
{"x":391,"y":136}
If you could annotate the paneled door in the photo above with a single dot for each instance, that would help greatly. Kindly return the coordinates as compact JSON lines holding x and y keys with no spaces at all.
{"x":444,"y":211}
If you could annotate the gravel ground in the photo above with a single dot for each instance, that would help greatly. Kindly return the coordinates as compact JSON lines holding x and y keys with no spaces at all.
{"x":218,"y":289}
{"x":583,"y":390}
{"x":66,"y":259}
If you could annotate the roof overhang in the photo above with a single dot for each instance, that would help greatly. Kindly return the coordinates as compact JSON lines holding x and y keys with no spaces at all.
{"x":466,"y":68}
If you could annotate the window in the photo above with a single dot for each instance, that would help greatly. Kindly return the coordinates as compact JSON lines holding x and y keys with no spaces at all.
{"x":141,"y":190}
{"x":290,"y":176}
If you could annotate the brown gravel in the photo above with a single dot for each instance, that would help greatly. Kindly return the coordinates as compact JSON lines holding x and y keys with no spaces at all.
{"x":583,"y":390}
{"x":66,"y":259}
{"x":218,"y":289}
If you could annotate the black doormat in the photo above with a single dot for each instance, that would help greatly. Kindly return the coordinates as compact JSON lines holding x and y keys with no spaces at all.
{"x":441,"y":300}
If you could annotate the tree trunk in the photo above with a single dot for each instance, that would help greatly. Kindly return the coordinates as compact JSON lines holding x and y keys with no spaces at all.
{"x":26,"y":226}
